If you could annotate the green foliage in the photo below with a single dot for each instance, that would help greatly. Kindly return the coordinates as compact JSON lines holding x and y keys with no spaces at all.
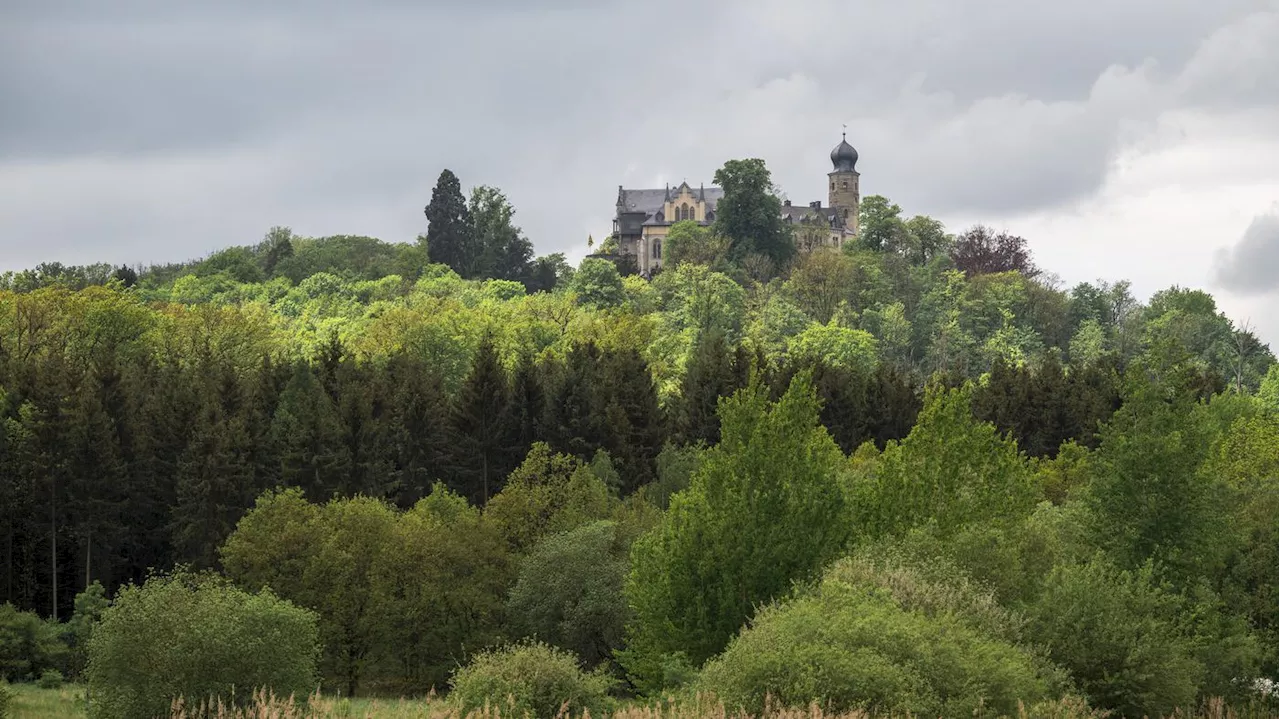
{"x":89,"y":606}
{"x":765,"y":508}
{"x":50,"y":679}
{"x":1269,"y":390}
{"x":750,"y":213}
{"x":569,"y":592}
{"x":6,"y":699}
{"x":689,"y":242}
{"x":597,"y":283}
{"x":365,"y":568}
{"x":1147,"y":497}
{"x":548,"y":493}
{"x":196,"y":636}
{"x":530,"y":679}
{"x":1118,"y":634}
{"x":450,"y":240}
{"x":29,"y":645}
{"x":835,"y":346}
{"x":950,"y":471}
{"x":883,"y":638}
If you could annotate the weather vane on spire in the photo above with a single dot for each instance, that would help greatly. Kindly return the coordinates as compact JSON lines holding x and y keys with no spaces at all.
{"x":844,"y":129}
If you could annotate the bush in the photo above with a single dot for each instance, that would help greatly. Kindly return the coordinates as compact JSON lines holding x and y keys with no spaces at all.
{"x":530,"y":678}
{"x":28,"y":644}
{"x":6,"y":698}
{"x":50,"y":679}
{"x":196,"y":636}
{"x":884,"y":639}
{"x":1115,"y":631}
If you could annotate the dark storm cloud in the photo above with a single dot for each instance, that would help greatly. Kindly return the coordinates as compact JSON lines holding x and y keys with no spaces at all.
{"x":147,"y":130}
{"x":1252,"y":265}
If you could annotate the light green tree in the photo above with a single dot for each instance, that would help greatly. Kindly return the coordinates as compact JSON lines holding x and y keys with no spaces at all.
{"x":765,"y":508}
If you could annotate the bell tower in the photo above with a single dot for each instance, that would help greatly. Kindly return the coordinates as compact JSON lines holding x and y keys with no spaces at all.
{"x":843,"y":195}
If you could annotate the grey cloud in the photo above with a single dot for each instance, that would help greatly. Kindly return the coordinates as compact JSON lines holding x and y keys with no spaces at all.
{"x":1252,"y":265}
{"x":147,"y":130}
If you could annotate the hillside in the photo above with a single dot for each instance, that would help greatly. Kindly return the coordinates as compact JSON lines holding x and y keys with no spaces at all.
{"x":452,"y":414}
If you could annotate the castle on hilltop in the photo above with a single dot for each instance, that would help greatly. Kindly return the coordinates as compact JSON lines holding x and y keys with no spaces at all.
{"x":644,"y":217}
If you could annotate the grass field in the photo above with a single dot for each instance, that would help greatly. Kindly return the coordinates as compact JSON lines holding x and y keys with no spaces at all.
{"x":68,"y":702}
{"x":32,"y":702}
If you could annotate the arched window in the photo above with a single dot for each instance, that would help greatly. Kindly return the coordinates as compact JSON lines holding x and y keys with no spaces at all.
{"x":684,"y":212}
{"x":657,"y":249}
{"x":844,"y":184}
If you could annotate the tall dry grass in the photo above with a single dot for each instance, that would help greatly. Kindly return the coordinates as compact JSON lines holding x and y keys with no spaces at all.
{"x":268,"y":706}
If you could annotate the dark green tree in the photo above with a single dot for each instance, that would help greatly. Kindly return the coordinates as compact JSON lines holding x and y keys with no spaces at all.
{"x":421,"y":428}
{"x":481,"y":425}
{"x":633,"y":429}
{"x":750,"y":213}
{"x":449,"y":233}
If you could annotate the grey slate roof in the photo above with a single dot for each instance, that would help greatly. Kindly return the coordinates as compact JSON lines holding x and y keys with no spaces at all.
{"x":650,"y":201}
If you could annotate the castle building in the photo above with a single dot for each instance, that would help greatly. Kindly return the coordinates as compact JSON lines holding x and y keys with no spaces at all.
{"x":645,"y":216}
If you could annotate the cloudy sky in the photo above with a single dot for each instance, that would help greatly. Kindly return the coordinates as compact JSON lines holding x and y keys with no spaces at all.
{"x":1125,"y":139}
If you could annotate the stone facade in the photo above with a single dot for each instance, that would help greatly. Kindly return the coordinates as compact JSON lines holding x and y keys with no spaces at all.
{"x":644,"y":217}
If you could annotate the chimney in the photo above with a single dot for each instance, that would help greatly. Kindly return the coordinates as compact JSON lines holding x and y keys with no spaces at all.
{"x":786,"y":203}
{"x":816,"y":204}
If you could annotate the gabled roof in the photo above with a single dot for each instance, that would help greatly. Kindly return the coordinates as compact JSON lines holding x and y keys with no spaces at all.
{"x":651,"y":201}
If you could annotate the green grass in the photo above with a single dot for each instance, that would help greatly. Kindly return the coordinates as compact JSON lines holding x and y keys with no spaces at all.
{"x":32,"y":702}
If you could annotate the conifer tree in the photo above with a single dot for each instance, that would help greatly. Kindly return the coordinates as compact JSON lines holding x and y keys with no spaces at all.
{"x":632,"y":421}
{"x":421,"y":428}
{"x":214,"y":476}
{"x":575,"y":419}
{"x":528,"y":406}
{"x":709,"y":375}
{"x":449,"y":239}
{"x":363,"y":406}
{"x":308,"y":435}
{"x":481,"y":427}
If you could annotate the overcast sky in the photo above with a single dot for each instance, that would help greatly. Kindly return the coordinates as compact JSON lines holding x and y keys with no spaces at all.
{"x":1125,"y":139}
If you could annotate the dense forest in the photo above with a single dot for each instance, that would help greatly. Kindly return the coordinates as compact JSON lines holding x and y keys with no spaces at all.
{"x":918,"y":461}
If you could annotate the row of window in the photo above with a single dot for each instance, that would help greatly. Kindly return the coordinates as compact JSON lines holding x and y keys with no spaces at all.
{"x":685,"y":212}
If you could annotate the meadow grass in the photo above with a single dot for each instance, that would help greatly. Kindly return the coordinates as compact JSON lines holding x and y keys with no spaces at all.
{"x":32,"y":702}
{"x":67,"y":702}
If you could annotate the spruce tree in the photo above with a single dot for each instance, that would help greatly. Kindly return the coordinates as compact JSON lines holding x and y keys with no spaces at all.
{"x":449,"y":240}
{"x":420,"y":427}
{"x":481,"y":427}
{"x":632,"y":422}
{"x":528,"y":406}
{"x":308,"y":437}
{"x":364,"y":409}
{"x":214,"y":474}
{"x":575,"y":419}
{"x":709,"y":375}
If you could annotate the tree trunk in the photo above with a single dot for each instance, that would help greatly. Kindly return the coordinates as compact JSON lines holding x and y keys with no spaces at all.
{"x":53,"y":548}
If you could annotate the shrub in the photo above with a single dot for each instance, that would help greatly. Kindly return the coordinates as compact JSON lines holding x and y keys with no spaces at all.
{"x":196,"y":636}
{"x":1115,"y":631}
{"x":530,"y":678}
{"x":6,"y":698}
{"x":884,"y":639}
{"x":50,"y":679}
{"x":28,"y":644}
